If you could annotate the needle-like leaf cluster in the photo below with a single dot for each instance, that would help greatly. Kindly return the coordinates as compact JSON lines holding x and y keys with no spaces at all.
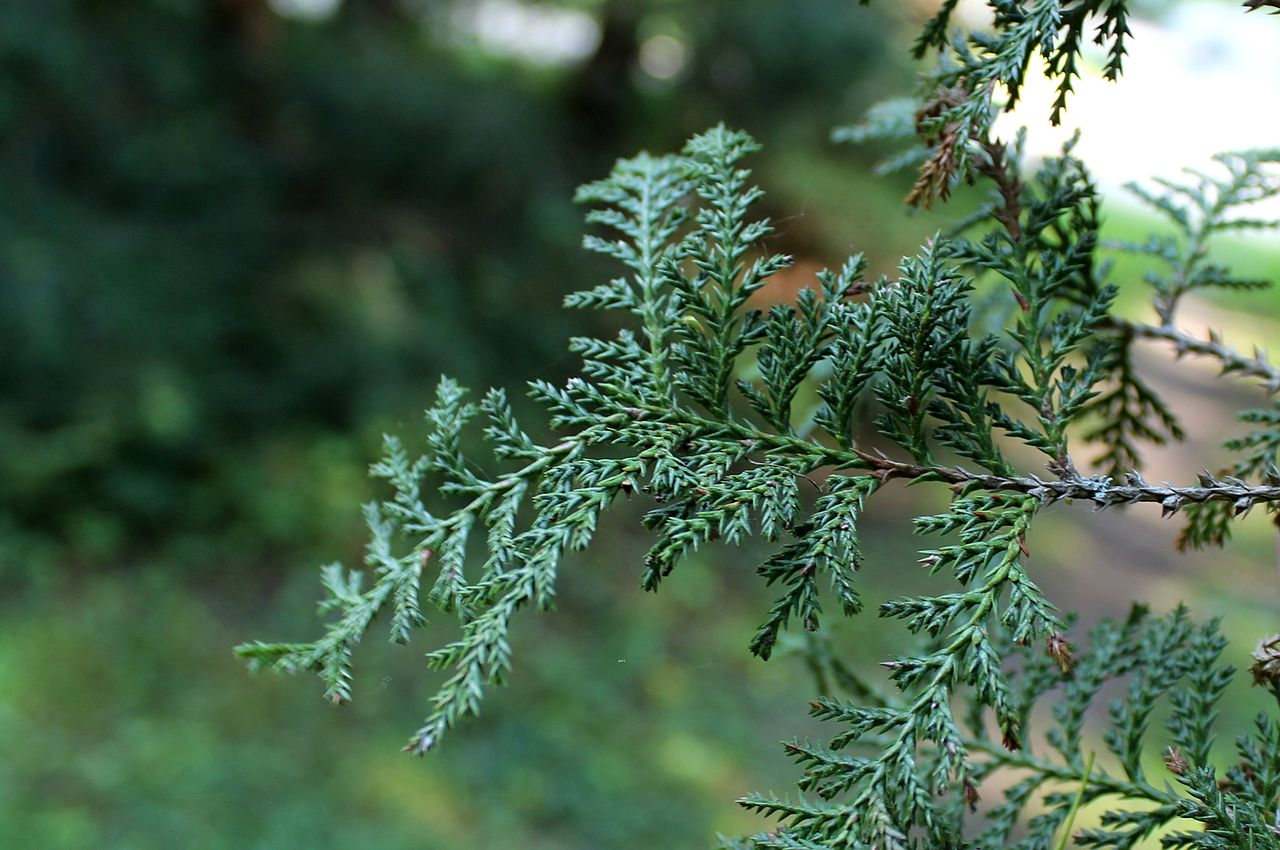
{"x":1154,"y":776}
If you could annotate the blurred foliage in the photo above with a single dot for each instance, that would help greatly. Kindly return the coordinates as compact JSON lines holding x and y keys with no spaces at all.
{"x":175,"y":746}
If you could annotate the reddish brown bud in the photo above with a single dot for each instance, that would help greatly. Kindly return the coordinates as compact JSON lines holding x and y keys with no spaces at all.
{"x":971,"y":796}
{"x":1010,"y":739}
{"x":1060,"y":651}
{"x":1266,"y":661}
{"x":1175,"y":761}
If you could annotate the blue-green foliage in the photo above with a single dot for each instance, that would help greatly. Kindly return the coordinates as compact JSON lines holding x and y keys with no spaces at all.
{"x":1165,"y":659}
{"x":652,"y":414}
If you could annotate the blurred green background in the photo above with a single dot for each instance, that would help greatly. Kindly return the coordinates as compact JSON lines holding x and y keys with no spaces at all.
{"x":239,"y":240}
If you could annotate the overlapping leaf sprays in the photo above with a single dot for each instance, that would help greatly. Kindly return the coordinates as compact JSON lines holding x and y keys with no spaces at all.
{"x":660,"y":400}
{"x":663,"y":409}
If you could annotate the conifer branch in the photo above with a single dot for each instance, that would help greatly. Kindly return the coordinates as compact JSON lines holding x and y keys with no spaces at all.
{"x":955,"y":371}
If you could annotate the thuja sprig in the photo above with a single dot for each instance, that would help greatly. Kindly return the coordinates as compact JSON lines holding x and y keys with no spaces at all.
{"x":1043,"y":251}
{"x":1046,"y":242}
{"x":889,"y":793}
{"x":714,"y":330}
{"x":662,"y":400}
{"x":1198,"y":209}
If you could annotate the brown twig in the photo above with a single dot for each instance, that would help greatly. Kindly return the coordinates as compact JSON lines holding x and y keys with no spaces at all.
{"x":1102,"y":491}
{"x":1255,"y":366}
{"x":1007,"y":182}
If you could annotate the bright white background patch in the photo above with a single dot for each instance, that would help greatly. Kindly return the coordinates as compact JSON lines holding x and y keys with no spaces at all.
{"x":542,"y":34}
{"x":316,"y":10}
{"x":1204,"y":80}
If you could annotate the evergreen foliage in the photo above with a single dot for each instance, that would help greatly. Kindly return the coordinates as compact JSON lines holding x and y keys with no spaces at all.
{"x":959,"y":401}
